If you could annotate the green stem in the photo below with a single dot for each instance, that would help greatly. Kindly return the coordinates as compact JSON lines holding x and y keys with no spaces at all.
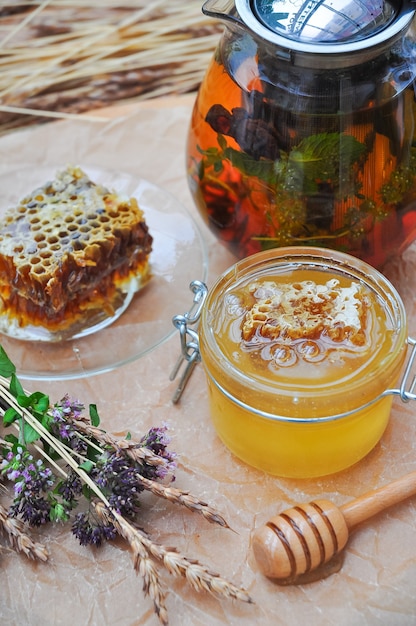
{"x":51,"y":440}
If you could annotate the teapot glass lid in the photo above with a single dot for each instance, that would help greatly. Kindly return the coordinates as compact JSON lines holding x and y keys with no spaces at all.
{"x":321,"y":21}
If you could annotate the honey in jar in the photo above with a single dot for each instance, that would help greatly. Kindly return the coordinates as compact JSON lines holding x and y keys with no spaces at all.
{"x":301,"y":347}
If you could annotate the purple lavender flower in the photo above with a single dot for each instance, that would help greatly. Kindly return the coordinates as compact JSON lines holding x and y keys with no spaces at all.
{"x":31,"y":481}
{"x":91,"y":532}
{"x":70,"y":407}
{"x":32,"y":509}
{"x":61,"y":428}
{"x":70,"y":488}
{"x":116,"y":476}
{"x":157,"y":441}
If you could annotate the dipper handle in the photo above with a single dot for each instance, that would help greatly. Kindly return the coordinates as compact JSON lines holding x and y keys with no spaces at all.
{"x":306,"y":536}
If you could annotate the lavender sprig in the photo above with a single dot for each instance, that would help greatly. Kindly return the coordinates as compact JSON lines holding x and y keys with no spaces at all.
{"x":32,"y":481}
{"x":80,"y":461}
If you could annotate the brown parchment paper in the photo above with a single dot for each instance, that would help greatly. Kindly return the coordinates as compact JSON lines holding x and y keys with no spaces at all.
{"x":83,"y":586}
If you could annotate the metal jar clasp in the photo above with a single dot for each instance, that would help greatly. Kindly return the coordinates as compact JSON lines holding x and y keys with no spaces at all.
{"x":406,"y":390}
{"x":189,"y":338}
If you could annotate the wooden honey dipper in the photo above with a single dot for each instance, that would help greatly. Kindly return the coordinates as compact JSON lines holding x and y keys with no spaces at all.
{"x":303,"y":538}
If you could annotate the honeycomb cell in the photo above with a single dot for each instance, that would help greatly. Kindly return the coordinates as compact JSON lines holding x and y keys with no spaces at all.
{"x":79,"y":245}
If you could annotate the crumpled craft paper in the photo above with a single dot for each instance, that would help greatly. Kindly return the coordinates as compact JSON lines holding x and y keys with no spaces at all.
{"x":375,"y":584}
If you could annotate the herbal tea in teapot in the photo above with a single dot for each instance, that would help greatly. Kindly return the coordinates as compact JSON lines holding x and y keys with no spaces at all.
{"x":306,"y":136}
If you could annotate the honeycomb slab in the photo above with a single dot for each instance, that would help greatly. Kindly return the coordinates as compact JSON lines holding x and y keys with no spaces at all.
{"x":67,"y":250}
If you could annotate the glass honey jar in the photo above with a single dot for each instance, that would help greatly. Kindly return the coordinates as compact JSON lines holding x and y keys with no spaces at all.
{"x":303,"y":349}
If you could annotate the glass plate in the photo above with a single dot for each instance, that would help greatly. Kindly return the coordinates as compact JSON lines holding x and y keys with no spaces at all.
{"x":179,"y":256}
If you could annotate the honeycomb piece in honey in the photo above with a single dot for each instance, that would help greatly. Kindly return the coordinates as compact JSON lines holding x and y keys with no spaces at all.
{"x":305,"y":310}
{"x":67,"y":248}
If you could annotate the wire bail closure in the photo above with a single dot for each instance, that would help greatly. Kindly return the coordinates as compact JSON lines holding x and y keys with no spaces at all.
{"x":407,"y":394}
{"x":188,"y":338}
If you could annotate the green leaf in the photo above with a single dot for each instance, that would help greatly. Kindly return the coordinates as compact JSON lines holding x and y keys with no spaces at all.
{"x":11,"y":439}
{"x":37,"y":401}
{"x":201,"y":170}
{"x":86,"y":466}
{"x":40,"y":401}
{"x":10,"y":416}
{"x":263,"y":169}
{"x":23,"y":400}
{"x":7,"y":368}
{"x":58,"y":513}
{"x":222,"y":142}
{"x":94,"y":417}
{"x":15,"y":386}
{"x":29,"y":433}
{"x":86,"y":492}
{"x":323,"y":156}
{"x":218,"y":167}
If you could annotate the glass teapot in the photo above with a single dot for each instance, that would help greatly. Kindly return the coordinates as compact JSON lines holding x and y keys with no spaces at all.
{"x":304,"y":127}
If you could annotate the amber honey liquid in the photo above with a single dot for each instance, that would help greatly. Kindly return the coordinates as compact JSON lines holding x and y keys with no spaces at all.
{"x":314,"y":357}
{"x":361,"y":200}
{"x":309,"y":364}
{"x":284,"y":416}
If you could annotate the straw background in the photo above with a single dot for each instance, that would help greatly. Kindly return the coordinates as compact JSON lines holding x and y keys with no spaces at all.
{"x":65,"y":57}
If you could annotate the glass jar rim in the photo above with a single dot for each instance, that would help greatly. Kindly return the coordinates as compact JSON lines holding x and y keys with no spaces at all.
{"x":318,"y":259}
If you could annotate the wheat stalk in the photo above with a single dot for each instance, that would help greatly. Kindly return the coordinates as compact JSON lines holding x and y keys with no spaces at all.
{"x":61,"y":56}
{"x":196,"y":574}
{"x":143,"y":564}
{"x":199,"y":576}
{"x":184,"y":498}
{"x":19,"y":539}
